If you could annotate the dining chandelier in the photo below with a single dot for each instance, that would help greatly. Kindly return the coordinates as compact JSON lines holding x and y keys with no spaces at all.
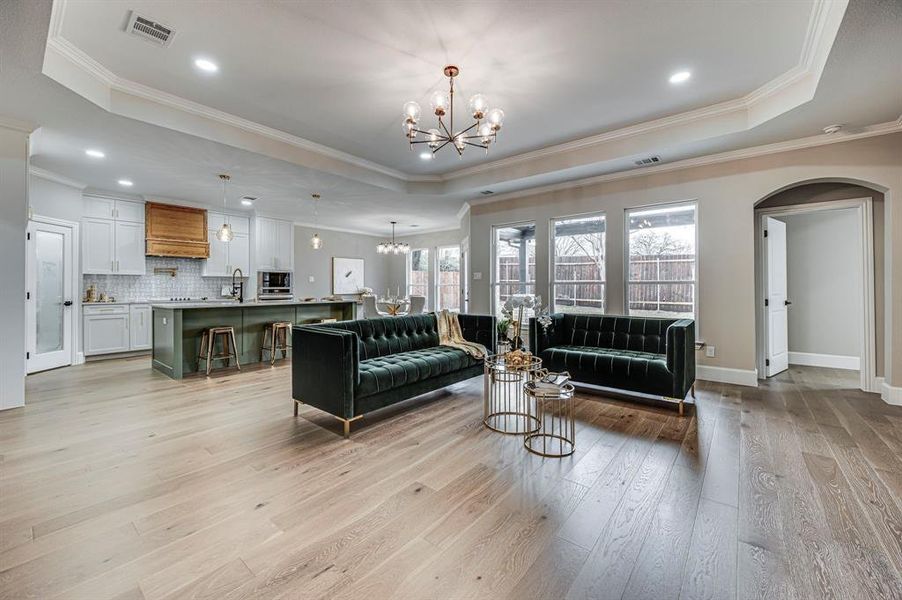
{"x":393,"y":247}
{"x":480,"y":133}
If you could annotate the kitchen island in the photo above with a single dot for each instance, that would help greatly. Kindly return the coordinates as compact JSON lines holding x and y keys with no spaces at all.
{"x":178,"y":326}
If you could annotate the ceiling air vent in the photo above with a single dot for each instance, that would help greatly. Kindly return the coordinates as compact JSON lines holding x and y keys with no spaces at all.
{"x":650,"y":160}
{"x":486,"y":192}
{"x":150,"y":30}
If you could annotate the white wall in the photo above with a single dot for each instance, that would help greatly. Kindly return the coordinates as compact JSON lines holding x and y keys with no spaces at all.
{"x":52,"y":199}
{"x":726,"y":194}
{"x":13,"y":221}
{"x":824,"y":282}
{"x":318,"y":263}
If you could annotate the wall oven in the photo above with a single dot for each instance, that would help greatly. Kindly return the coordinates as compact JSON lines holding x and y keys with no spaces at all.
{"x":274,"y":285}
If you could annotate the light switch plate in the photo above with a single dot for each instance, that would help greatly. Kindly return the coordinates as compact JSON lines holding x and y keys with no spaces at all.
{"x":709,"y":351}
{"x":477,"y":275}
{"x":311,"y":279}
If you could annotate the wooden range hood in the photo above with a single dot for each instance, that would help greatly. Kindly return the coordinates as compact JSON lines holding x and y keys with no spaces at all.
{"x":177,"y":231}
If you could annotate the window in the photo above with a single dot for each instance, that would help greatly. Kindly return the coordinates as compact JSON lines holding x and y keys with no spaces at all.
{"x":418,"y":273}
{"x":662,"y":275}
{"x":578,"y":273}
{"x":447,"y":282}
{"x":514,"y":271}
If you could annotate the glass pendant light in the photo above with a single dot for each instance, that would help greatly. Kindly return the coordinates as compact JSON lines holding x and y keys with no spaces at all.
{"x":225,"y":232}
{"x":316,"y":242}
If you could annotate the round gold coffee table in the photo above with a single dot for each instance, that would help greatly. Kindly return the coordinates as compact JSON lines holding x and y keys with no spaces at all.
{"x":506,"y":408}
{"x":556,"y":433}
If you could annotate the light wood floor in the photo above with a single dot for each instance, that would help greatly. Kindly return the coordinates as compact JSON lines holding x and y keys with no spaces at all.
{"x":120,"y":483}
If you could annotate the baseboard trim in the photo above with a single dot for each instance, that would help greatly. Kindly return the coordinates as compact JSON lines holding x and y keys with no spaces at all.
{"x":746,"y":377}
{"x":832,"y":361}
{"x":891,"y":394}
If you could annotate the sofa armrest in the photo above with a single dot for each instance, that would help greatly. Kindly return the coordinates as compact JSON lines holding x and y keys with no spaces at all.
{"x":541,"y":339}
{"x":325,"y":368}
{"x":680,"y":348}
{"x":480,"y":329}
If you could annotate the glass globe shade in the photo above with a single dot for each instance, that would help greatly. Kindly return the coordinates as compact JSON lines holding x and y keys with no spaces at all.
{"x":478,"y":105}
{"x":412,"y":111}
{"x":496,"y":118}
{"x":460,"y":142}
{"x":408,"y":128}
{"x":316,"y":242}
{"x":439,"y":103}
{"x":434,"y":138}
{"x":486,"y":131}
{"x":225,"y":233}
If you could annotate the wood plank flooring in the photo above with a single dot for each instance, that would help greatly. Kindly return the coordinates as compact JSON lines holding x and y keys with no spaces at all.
{"x":116,"y":482}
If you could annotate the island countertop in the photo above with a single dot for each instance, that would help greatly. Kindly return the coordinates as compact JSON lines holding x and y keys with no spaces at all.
{"x":179,"y":326}
{"x":248,"y":304}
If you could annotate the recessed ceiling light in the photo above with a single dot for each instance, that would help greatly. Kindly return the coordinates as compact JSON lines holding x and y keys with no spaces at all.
{"x":206,"y":65}
{"x":126,"y":182}
{"x":680,"y":77}
{"x":414,"y":225}
{"x":426,"y":155}
{"x":247,"y":202}
{"x":95,"y":153}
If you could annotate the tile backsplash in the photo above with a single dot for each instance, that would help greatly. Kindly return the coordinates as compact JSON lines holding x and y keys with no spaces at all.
{"x":187,"y":283}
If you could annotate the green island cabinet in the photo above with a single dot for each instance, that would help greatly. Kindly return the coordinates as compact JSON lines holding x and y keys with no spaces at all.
{"x":177,"y":327}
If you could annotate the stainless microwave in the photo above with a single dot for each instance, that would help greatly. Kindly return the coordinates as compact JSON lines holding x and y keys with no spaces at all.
{"x":274,"y":285}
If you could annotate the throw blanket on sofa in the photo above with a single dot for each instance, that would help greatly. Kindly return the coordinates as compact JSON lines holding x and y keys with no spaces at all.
{"x":449,"y":334}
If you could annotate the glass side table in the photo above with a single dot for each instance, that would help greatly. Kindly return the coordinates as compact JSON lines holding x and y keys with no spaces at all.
{"x":556,"y":434}
{"x":506,"y":407}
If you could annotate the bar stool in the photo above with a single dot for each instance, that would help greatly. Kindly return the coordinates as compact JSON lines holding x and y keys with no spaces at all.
{"x":278,"y":340}
{"x":229,"y":347}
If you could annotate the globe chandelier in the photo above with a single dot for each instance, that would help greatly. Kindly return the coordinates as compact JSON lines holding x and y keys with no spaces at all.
{"x":393,"y":247}
{"x":481,"y":132}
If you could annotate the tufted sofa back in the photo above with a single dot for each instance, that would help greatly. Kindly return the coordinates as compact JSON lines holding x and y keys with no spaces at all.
{"x":388,"y":335}
{"x":640,"y":334}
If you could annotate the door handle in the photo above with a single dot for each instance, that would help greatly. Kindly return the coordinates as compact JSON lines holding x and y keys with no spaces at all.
{"x":787,"y":302}
{"x":67,"y":303}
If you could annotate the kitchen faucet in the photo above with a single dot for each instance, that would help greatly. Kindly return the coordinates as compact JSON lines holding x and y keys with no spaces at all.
{"x":238,"y":287}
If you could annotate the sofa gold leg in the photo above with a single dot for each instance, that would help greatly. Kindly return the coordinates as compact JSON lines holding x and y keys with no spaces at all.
{"x":692,"y":390}
{"x":681,"y":408}
{"x":347,"y":425}
{"x":296,"y":403}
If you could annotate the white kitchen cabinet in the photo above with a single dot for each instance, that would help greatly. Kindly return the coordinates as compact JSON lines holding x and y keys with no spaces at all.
{"x":106,"y":329}
{"x":130,"y":259}
{"x":112,"y":239}
{"x":140,"y":327}
{"x":102,"y":207}
{"x":98,"y":248}
{"x":225,"y":257}
{"x":274,"y":245}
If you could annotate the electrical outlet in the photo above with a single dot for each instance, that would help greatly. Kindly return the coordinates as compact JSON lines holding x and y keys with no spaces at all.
{"x":709,"y":351}
{"x":311,"y":279}
{"x":477,"y":275}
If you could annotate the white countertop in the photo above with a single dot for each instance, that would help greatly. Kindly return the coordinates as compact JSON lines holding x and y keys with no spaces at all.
{"x":248,"y":304}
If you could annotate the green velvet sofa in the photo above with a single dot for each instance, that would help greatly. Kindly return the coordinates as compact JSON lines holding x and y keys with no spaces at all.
{"x":634,"y":354}
{"x":350,"y":368}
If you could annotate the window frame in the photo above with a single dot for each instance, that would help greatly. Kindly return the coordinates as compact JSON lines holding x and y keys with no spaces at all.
{"x":552,"y":255}
{"x":493,"y":267}
{"x":626,"y":254}
{"x":409,"y":264}
{"x":438,"y":285}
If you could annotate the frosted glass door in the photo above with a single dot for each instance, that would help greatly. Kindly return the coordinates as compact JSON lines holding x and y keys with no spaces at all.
{"x":49,"y":307}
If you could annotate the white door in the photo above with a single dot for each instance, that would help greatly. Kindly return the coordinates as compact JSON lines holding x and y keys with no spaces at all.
{"x":49,"y":308}
{"x":97,"y":246}
{"x":130,"y":259}
{"x":776,"y":301}
{"x":464,"y":278}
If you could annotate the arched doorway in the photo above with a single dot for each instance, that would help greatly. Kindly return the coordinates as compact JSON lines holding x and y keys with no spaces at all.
{"x":863,"y":306}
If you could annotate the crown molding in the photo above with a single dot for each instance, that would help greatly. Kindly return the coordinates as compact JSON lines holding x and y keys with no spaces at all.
{"x":55,"y":177}
{"x":463,"y":211}
{"x":782,"y":93}
{"x":710,"y":159}
{"x":17,"y":125}
{"x":815,"y":48}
